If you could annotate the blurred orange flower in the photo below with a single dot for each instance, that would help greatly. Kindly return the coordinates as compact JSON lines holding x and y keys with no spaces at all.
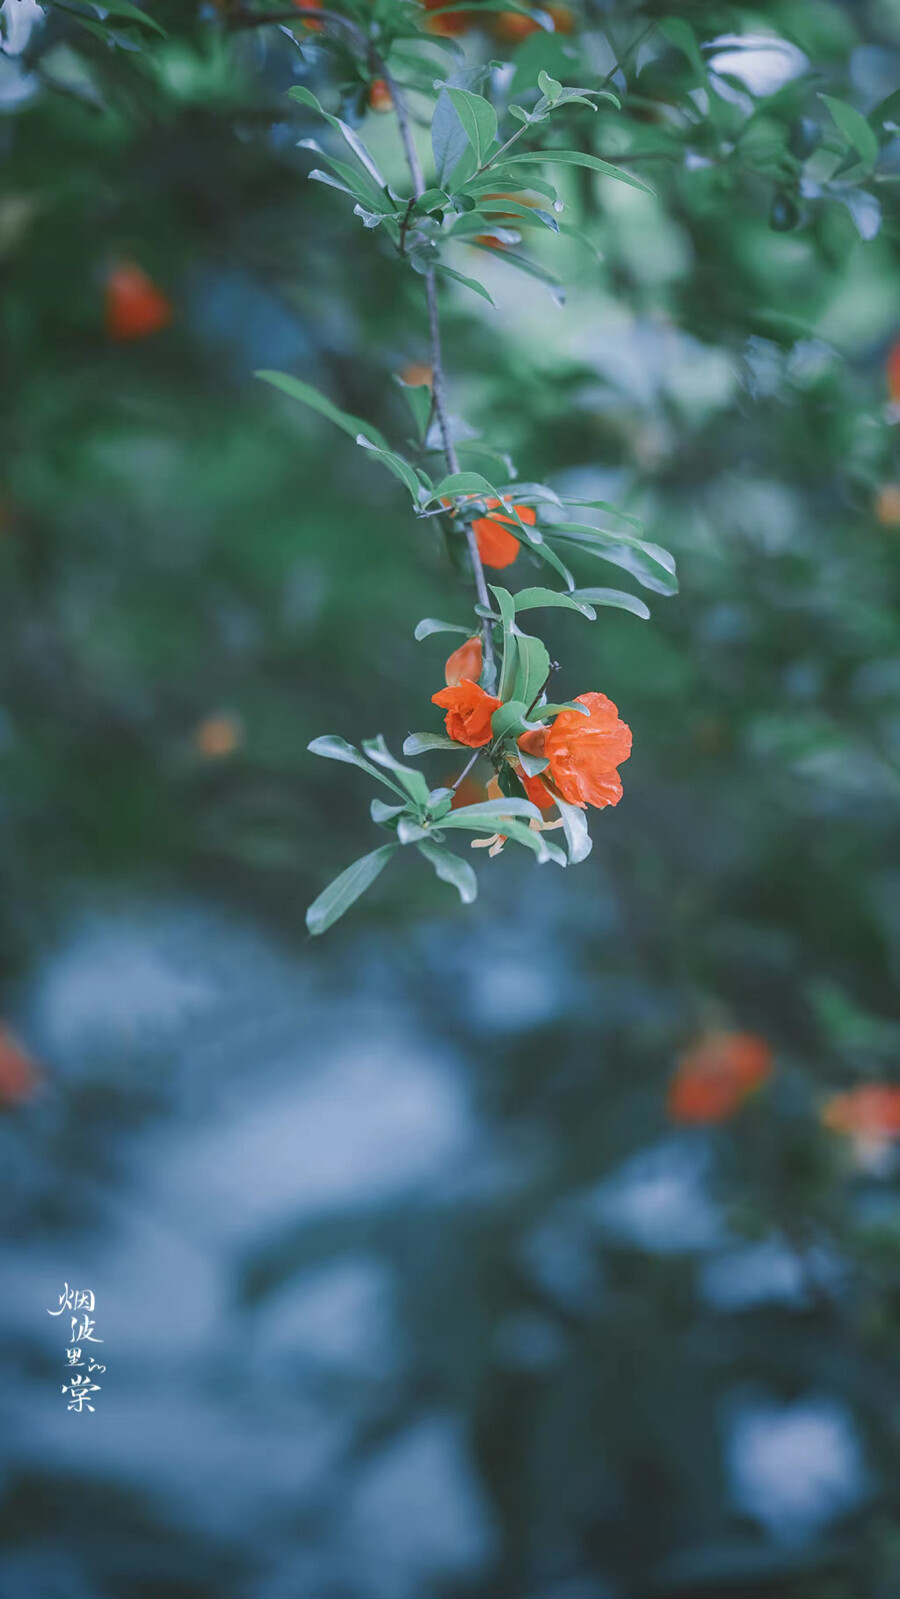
{"x":19,"y":1077}
{"x":887,"y":505}
{"x":449,"y":22}
{"x":716,"y":1076}
{"x":417,"y":375}
{"x":218,"y":735}
{"x":893,"y":372}
{"x":870,"y":1113}
{"x":496,"y":547}
{"x":380,"y":97}
{"x":465,"y":662}
{"x":584,"y":752}
{"x":135,"y":307}
{"x":469,"y":711}
{"x":310,"y":5}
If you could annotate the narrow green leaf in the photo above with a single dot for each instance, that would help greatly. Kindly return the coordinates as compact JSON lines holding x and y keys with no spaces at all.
{"x":450,"y":869}
{"x":304,"y":392}
{"x":346,"y":889}
{"x":412,"y":781}
{"x":681,"y":35}
{"x":507,"y":607}
{"x":396,"y":465}
{"x":131,"y":13}
{"x":334,"y":748}
{"x":464,"y":483}
{"x":578,"y":158}
{"x":478,"y":119}
{"x":306,"y":97}
{"x":430,"y":624}
{"x":421,"y":743}
{"x":509,"y":719}
{"x":537,"y":598}
{"x":549,"y":87}
{"x":382,"y":813}
{"x":460,"y":277}
{"x":854,"y":127}
{"x":617,"y":598}
{"x":532,"y":670}
{"x":575,"y":828}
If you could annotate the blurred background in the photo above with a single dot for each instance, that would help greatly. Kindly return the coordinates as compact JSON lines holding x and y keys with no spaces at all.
{"x":449,"y":1255}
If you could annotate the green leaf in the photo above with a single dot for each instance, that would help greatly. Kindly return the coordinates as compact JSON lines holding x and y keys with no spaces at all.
{"x":418,"y":398}
{"x":449,"y":141}
{"x":575,"y":828}
{"x":489,"y":810}
{"x":307,"y":98}
{"x":464,"y":483}
{"x":681,"y":35}
{"x":460,"y":277}
{"x":348,"y":179}
{"x":509,"y":824}
{"x":854,"y":127}
{"x":346,"y":889}
{"x":532,"y":670}
{"x":533,"y":764}
{"x":478,"y":118}
{"x":507,"y":607}
{"x":535,"y":599}
{"x":123,"y":8}
{"x":396,"y":465}
{"x":413,"y":781}
{"x":505,"y":207}
{"x":430,"y":624}
{"x":543,"y":711}
{"x":606,"y":505}
{"x":450,"y":869}
{"x":421,"y":743}
{"x":509,"y":719}
{"x":334,"y":748}
{"x":617,"y":598}
{"x":653,"y":566}
{"x":319,"y":402}
{"x":579,"y":158}
{"x":523,"y":263}
{"x":549,"y":87}
{"x":382,"y":813}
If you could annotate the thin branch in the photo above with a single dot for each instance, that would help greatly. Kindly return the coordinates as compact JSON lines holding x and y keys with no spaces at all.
{"x":466,"y":770}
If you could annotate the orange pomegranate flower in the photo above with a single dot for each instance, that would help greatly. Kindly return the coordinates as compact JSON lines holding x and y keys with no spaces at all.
{"x":19,"y":1077}
{"x":495,"y":546}
{"x":310,"y":5}
{"x":469,"y":711}
{"x":466,"y":662}
{"x":716,"y":1076}
{"x":871,"y":1113}
{"x":584,"y":752}
{"x":893,"y":372}
{"x":512,"y":27}
{"x":135,"y":307}
{"x":380,"y":97}
{"x":449,"y":23}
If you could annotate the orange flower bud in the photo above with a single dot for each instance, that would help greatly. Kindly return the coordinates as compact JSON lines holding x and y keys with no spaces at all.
{"x":464,"y":662}
{"x":135,"y":307}
{"x":496,"y":547}
{"x":380,"y":97}
{"x":469,"y":711}
{"x":584,"y":752}
{"x":418,"y":375}
{"x":716,"y":1076}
